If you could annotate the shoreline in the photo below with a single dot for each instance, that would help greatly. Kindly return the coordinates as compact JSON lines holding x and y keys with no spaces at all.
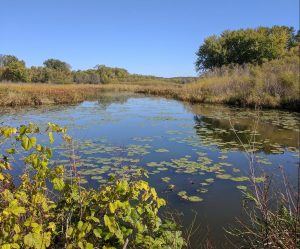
{"x":36,"y":94}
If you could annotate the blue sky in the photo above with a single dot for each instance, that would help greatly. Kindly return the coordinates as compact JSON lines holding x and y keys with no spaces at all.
{"x":155,"y":37}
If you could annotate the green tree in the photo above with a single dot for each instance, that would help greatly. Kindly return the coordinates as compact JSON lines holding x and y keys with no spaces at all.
{"x":109,"y":74}
{"x":16,"y":72}
{"x":40,"y":74}
{"x":58,"y":71}
{"x":57,"y":65}
{"x":211,"y":54}
{"x":245,"y":46}
{"x":6,"y":60}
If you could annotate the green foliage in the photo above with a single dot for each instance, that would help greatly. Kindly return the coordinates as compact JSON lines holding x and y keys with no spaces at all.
{"x":40,"y":74}
{"x":57,"y":65}
{"x":245,"y":46}
{"x":46,"y":75}
{"x":16,"y":72}
{"x":56,"y":71}
{"x":101,"y":74}
{"x":64,"y":214}
{"x":108,"y":74}
{"x":6,"y":60}
{"x":13,"y":69}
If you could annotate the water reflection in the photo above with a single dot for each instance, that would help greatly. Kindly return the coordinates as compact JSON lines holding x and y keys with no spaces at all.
{"x":257,"y":129}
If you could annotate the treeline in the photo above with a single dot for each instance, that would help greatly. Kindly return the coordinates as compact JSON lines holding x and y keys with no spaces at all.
{"x":55,"y":71}
{"x":246,"y":46}
{"x":13,"y":69}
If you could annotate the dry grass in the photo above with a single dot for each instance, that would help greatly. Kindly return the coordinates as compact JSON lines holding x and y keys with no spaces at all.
{"x":18,"y":94}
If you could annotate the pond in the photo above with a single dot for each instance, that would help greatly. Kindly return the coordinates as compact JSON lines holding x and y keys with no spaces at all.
{"x":194,"y":154}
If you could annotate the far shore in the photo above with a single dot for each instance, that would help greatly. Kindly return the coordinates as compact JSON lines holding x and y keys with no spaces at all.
{"x":35,"y":94}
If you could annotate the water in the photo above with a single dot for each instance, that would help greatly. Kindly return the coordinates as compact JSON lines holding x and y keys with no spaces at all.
{"x":191,"y":148}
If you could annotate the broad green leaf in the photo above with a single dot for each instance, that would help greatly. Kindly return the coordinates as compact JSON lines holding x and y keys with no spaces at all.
{"x":50,"y":135}
{"x":97,"y":232}
{"x":11,"y":151}
{"x":110,"y":222}
{"x":89,"y":246}
{"x":58,"y":183}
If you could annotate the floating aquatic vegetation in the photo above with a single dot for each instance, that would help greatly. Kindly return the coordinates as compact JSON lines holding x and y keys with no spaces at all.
{"x":241,"y":187}
{"x":134,"y":149}
{"x":202,"y":190}
{"x":204,"y":183}
{"x":260,"y":179}
{"x":96,"y":177}
{"x":225,"y":164}
{"x":210,"y":180}
{"x":162,"y":168}
{"x":143,"y":139}
{"x":166,"y":179}
{"x":193,"y":198}
{"x":171,"y":187}
{"x":239,"y":178}
{"x":155,"y":172}
{"x":264,"y":161}
{"x":224,"y":176}
{"x":223,"y":157}
{"x":153,"y":164}
{"x":162,"y":150}
{"x":201,"y":154}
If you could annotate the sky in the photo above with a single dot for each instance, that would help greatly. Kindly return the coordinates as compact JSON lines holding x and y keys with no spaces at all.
{"x":152,"y":37}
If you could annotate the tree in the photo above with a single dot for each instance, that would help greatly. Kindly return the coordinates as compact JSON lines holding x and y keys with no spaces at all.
{"x":108,"y":74}
{"x":57,"y":65}
{"x":40,"y":74}
{"x":5,"y":60}
{"x":58,"y":71}
{"x":15,"y":71}
{"x":245,"y":46}
{"x":211,"y":54}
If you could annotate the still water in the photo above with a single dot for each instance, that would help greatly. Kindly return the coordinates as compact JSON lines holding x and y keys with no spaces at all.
{"x":195,"y":155}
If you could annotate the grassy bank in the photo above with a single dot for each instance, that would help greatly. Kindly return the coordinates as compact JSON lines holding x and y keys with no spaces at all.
{"x":19,"y":94}
{"x":274,"y":84}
